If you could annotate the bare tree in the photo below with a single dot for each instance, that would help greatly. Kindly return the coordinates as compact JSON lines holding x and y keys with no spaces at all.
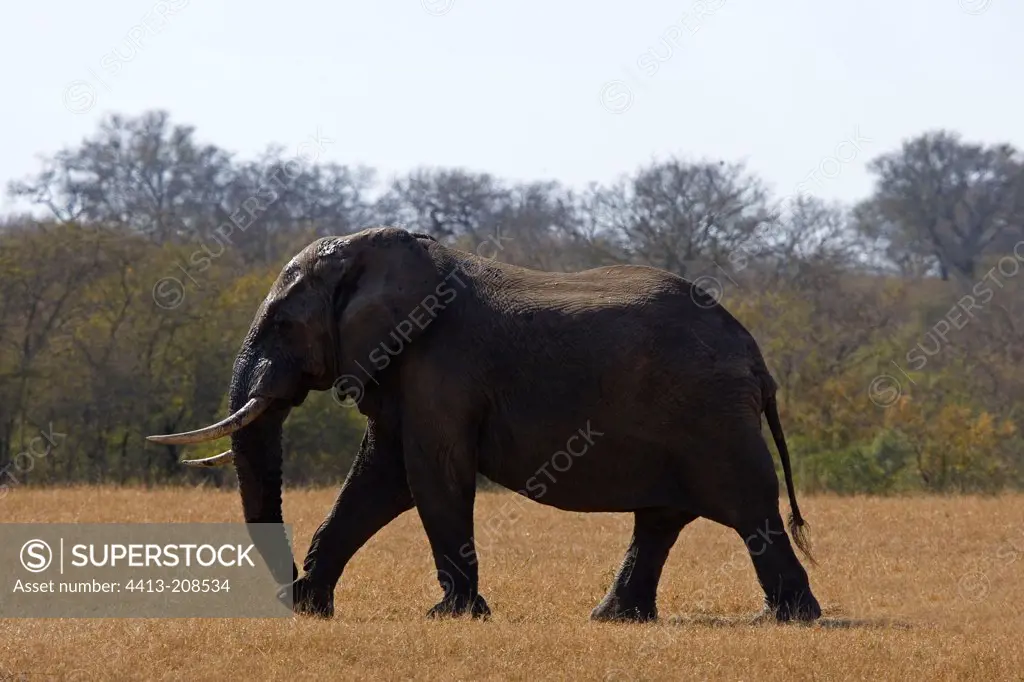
{"x":676,"y":212}
{"x":445,"y":203}
{"x":139,"y":173}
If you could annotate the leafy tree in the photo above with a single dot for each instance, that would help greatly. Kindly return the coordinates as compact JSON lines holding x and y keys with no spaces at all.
{"x":941,"y":200}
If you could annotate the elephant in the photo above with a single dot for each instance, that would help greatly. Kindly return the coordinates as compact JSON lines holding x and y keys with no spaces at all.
{"x":648,"y":388}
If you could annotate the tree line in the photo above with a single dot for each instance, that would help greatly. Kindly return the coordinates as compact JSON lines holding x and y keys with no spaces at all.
{"x":890,"y":325}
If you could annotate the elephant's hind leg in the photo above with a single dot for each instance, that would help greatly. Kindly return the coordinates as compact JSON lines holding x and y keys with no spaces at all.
{"x":786,"y":588}
{"x":632,"y":597}
{"x":747,"y":501}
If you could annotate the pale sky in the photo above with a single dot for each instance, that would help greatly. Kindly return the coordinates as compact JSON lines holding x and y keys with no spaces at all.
{"x":527,"y":89}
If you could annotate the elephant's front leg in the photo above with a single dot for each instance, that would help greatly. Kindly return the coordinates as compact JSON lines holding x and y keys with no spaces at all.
{"x":375,"y":492}
{"x":442,"y":477}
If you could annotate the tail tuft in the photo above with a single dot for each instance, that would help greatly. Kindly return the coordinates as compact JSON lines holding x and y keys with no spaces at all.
{"x":798,"y":529}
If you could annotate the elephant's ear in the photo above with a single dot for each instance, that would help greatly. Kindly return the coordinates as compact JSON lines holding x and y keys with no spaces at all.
{"x":381,"y":302}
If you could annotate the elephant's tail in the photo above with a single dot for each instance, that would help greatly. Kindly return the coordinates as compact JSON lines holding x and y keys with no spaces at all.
{"x":797,"y":525}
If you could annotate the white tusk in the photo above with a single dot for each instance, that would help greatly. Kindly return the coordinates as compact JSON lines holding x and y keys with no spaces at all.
{"x":225,"y":427}
{"x":223,"y":459}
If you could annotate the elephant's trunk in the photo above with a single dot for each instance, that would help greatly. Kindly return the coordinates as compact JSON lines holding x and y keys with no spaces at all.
{"x":257,"y":458}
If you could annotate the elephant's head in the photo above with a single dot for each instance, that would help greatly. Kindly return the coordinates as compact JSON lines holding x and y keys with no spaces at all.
{"x":330,"y":308}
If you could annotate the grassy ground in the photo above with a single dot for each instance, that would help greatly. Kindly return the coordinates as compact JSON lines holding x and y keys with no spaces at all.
{"x":913,"y":588}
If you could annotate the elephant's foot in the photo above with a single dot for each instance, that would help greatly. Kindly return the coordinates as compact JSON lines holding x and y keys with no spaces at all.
{"x":460,"y":605}
{"x":311,"y":600}
{"x":798,"y":607}
{"x":615,"y":608}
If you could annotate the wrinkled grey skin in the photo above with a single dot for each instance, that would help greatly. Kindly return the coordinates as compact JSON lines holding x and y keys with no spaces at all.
{"x":470,"y":365}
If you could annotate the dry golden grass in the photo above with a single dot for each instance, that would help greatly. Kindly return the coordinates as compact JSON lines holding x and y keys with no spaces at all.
{"x":913,"y":588}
